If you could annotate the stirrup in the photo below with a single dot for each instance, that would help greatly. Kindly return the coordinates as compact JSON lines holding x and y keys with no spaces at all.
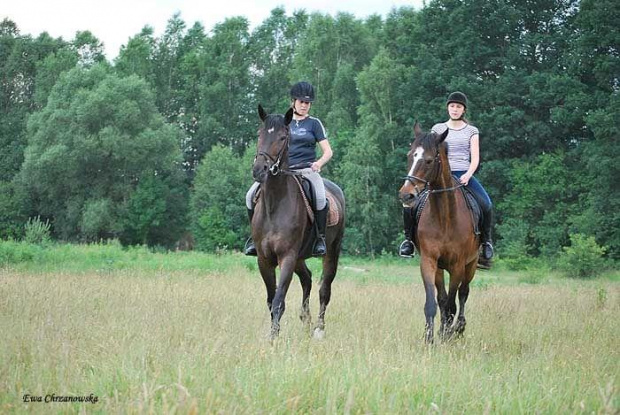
{"x":250,"y":248}
{"x":319,"y":248}
{"x":484,"y":263}
{"x":487,"y":251}
{"x":406,"y":249}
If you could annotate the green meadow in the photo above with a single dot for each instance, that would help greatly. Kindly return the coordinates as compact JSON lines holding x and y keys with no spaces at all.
{"x":135,"y":331}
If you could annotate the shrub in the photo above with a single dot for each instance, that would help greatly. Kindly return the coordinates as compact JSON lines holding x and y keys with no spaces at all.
{"x":12,"y":252}
{"x":514,"y":245}
{"x":37,"y":232}
{"x":583,"y":258}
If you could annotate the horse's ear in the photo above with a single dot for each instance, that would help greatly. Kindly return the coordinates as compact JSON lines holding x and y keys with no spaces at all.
{"x":262,"y":113}
{"x":417,"y":130}
{"x":443,"y":136}
{"x":288,"y":117}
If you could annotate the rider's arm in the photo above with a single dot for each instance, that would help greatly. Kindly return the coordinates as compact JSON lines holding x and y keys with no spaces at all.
{"x":474,"y":153}
{"x":327,"y":154}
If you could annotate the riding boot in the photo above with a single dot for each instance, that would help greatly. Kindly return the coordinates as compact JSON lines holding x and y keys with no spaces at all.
{"x":486,"y":251}
{"x":320,"y":248}
{"x":250,"y":248}
{"x":407,"y":248}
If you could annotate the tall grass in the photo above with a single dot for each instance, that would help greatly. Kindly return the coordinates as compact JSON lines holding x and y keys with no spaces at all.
{"x":191,"y":337}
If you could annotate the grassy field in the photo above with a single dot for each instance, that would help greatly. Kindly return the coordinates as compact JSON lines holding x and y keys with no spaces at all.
{"x":188,"y":333}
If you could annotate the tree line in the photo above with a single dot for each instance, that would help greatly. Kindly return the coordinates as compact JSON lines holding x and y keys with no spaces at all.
{"x":157,"y":145}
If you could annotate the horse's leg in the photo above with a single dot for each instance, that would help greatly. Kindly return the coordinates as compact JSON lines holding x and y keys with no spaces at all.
{"x":330,"y":266}
{"x":442,"y":299}
{"x":268,"y":272}
{"x":428,"y":269}
{"x":455,"y":281}
{"x":470,"y":269}
{"x":287,"y":266}
{"x":305,"y":278}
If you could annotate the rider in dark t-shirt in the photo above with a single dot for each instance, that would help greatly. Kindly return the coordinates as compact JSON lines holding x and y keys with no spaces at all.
{"x":306,"y":132}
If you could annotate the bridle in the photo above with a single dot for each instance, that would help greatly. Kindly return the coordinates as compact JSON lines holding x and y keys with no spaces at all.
{"x":413,"y":179}
{"x":274,"y":168}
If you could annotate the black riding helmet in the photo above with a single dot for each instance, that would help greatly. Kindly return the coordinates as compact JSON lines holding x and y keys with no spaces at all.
{"x":303,"y":91}
{"x":457,"y":97}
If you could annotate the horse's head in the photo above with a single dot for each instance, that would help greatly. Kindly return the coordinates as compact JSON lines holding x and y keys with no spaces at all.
{"x":272,"y":147}
{"x":424,"y":164}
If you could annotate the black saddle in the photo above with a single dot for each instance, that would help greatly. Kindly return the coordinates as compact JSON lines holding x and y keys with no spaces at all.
{"x":308,"y":191}
{"x":474,"y":208}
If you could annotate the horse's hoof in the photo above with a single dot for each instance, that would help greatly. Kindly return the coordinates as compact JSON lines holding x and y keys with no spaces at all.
{"x":318,"y":334}
{"x":274,"y":334}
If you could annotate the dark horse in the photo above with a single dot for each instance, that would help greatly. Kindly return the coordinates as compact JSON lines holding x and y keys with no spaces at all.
{"x":281,"y":228}
{"x":445,"y":234}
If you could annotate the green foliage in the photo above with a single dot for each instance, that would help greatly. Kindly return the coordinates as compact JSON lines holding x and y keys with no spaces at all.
{"x":539,"y":203}
{"x":601,"y":199}
{"x":12,"y":252}
{"x":583,"y":258}
{"x":12,"y":216}
{"x":88,"y":172}
{"x":37,"y":231}
{"x":218,"y":211}
{"x":212,"y":231}
{"x":514,"y":246}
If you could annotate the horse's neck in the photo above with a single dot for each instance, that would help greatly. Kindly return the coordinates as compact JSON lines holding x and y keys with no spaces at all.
{"x":276,"y":190}
{"x":444,"y":203}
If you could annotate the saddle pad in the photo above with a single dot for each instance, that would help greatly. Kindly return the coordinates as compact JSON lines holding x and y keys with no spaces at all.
{"x":333,"y":216}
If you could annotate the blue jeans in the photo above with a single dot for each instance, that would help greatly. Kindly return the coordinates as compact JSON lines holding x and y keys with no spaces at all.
{"x":481,"y":195}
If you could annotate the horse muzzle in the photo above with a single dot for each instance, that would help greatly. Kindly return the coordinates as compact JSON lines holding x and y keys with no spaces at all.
{"x":260,"y":171}
{"x":407,"y":198}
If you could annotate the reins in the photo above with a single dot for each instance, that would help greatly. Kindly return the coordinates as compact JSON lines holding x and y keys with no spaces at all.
{"x":427,"y":183}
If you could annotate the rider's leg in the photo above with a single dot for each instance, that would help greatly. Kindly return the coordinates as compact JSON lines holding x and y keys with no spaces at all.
{"x":321,"y":210}
{"x":250,"y":248}
{"x":487,"y":219}
{"x":407,"y":248}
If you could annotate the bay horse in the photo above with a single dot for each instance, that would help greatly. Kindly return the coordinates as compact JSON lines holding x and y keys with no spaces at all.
{"x":445,"y":234}
{"x":281,"y":228}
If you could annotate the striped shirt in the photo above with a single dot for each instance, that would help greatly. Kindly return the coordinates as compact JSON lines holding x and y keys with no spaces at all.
{"x":459,"y":142}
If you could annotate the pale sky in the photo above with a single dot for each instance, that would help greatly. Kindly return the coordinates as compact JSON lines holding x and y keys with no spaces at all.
{"x":115,"y":21}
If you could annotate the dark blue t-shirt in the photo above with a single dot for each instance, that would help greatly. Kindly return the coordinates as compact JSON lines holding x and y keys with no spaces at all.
{"x":304,"y":136}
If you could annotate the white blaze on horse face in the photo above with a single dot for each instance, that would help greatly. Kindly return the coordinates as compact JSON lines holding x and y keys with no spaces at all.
{"x":270,"y":130}
{"x":417,"y":156}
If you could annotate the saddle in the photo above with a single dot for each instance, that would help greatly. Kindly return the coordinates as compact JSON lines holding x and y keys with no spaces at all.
{"x":307,"y":193}
{"x":474,"y":208}
{"x":470,"y":200}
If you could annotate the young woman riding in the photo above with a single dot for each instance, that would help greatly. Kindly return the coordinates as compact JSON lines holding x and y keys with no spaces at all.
{"x":464,"y":156}
{"x":306,"y":132}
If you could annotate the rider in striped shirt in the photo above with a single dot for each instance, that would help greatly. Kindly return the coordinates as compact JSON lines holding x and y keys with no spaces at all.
{"x":464,"y":156}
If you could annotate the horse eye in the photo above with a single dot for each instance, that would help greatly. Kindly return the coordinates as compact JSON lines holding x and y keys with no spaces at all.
{"x":429,"y":162}
{"x":283,"y":138}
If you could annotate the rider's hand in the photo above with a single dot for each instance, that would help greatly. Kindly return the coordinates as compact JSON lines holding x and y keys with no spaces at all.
{"x":316,"y":167}
{"x":465,"y":179}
